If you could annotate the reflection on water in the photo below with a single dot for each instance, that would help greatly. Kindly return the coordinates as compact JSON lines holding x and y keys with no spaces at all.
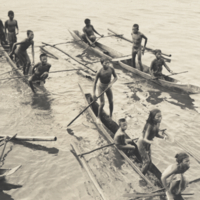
{"x":41,"y":101}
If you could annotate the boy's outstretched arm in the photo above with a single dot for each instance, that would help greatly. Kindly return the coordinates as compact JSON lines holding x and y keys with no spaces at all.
{"x":33,"y":54}
{"x":17,"y":28}
{"x":169,"y":70}
{"x":96,"y":31}
{"x":145,"y":43}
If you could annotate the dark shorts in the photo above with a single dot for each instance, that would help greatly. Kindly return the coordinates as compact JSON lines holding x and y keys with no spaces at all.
{"x":12,"y":38}
{"x":35,"y":77}
{"x":159,"y":75}
{"x":22,"y":58}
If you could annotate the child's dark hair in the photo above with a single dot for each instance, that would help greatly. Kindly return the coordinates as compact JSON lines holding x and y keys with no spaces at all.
{"x":136,"y":26}
{"x":180,"y":157}
{"x":28,"y":32}
{"x":151,"y":119}
{"x":104,"y":59}
{"x":42,"y":55}
{"x":121,"y":120}
{"x":10,"y":12}
{"x":157,"y":51}
{"x":87,"y":21}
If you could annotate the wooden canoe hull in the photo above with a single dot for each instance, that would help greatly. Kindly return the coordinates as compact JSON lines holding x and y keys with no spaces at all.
{"x":107,"y":52}
{"x":108,"y":129}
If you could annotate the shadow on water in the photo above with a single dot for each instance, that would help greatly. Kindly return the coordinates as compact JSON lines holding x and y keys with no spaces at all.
{"x":41,"y":101}
{"x":7,"y":186}
{"x":155,"y":94}
{"x":37,"y":147}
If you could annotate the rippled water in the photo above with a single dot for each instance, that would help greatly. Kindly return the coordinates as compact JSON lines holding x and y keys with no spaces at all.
{"x":49,"y":169}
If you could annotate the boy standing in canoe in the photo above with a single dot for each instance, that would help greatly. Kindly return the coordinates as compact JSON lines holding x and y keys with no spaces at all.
{"x":40,"y":71}
{"x":176,"y":182}
{"x":104,"y":77}
{"x":88,"y":31}
{"x":21,"y":54}
{"x":11,"y":25}
{"x":156,"y":66}
{"x":137,"y":48}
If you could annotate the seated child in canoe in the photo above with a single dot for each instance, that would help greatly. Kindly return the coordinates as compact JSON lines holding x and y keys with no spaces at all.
{"x":173,"y":179}
{"x":88,"y":31}
{"x":122,"y":142}
{"x":157,"y":66}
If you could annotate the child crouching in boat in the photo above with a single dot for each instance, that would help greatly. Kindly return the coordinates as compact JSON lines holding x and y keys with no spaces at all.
{"x":151,"y":130}
{"x":122,"y":142}
{"x":40,"y":71}
{"x":157,"y":66}
{"x":176,"y":182}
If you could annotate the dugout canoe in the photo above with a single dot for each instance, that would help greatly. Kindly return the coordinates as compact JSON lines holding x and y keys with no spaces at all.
{"x":107,"y":52}
{"x":108,"y":128}
{"x":38,"y":85}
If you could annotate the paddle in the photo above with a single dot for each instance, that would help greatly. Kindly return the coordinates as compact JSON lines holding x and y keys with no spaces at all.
{"x":96,"y":149}
{"x":82,"y":40}
{"x":172,"y":74}
{"x":69,"y":56}
{"x":32,"y":138}
{"x":64,"y":70}
{"x":13,"y":77}
{"x":143,"y":195}
{"x":148,"y":49}
{"x":192,"y":181}
{"x":91,"y":103}
{"x":79,"y":55}
{"x":6,"y":140}
{"x":9,"y":71}
{"x":127,"y":57}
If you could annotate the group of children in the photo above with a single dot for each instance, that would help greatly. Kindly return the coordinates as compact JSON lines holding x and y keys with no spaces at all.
{"x":172,"y":178}
{"x":19,"y":49}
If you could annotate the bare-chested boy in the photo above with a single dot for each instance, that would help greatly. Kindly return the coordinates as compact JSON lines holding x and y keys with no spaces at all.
{"x":104,"y":77}
{"x":157,"y":66}
{"x":22,"y":56}
{"x":89,"y":30}
{"x":173,"y":178}
{"x":124,"y":143}
{"x":12,"y":26}
{"x":137,"y":48}
{"x":40,"y":71}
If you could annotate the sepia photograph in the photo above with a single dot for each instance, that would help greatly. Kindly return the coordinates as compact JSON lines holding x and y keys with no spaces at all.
{"x":99,"y":100}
